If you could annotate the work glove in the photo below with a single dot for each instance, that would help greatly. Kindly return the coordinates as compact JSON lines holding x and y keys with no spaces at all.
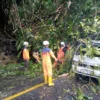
{"x":59,"y":62}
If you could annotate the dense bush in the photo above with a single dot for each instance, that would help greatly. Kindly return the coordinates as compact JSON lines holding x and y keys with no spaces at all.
{"x":54,"y":20}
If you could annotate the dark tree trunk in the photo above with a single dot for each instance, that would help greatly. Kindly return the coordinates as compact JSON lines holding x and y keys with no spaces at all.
{"x":4,"y":14}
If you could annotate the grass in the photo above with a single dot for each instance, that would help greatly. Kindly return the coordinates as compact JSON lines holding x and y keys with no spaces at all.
{"x":18,"y":69}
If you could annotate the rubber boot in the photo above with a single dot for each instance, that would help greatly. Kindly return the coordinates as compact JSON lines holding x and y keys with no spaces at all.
{"x":50,"y":83}
{"x":45,"y":79}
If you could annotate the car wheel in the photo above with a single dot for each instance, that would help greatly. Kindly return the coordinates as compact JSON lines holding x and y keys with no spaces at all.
{"x":77,"y":76}
{"x":81,"y":78}
{"x":95,"y":80}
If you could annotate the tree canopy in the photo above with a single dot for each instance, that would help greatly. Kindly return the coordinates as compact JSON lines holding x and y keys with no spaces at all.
{"x":53,"y":20}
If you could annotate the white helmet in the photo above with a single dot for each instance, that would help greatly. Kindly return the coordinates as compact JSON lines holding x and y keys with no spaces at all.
{"x":25,"y":43}
{"x":45,"y":43}
{"x":62,"y":43}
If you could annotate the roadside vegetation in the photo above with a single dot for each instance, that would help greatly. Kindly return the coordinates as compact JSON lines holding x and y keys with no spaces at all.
{"x":70,"y":21}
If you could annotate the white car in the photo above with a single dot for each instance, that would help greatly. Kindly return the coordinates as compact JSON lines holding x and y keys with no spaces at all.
{"x":85,"y":65}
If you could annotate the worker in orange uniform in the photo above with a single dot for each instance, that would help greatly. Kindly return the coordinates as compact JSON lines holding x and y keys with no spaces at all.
{"x":60,"y":55}
{"x":26,"y":56}
{"x":47,"y":53}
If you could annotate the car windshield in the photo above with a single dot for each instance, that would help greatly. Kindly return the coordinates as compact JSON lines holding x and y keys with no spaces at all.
{"x":83,"y":45}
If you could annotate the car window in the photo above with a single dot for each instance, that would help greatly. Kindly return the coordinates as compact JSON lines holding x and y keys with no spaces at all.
{"x":96,"y":45}
{"x":82,"y":45}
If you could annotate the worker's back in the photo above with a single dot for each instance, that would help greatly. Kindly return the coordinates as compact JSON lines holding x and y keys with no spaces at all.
{"x":26,"y":54}
{"x":46,"y":54}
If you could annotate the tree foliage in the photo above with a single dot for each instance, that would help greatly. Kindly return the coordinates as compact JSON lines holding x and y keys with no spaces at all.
{"x":53,"y":20}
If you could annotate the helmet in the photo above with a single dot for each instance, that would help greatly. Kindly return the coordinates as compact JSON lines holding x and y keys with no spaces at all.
{"x":25,"y":43}
{"x":62,"y":43}
{"x":45,"y":42}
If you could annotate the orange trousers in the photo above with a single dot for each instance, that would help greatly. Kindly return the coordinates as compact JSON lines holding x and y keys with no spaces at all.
{"x":47,"y":68}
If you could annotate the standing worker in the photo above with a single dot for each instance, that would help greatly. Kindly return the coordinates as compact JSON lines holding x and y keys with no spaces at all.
{"x":26,"y":56}
{"x":47,"y":65}
{"x":60,"y":54}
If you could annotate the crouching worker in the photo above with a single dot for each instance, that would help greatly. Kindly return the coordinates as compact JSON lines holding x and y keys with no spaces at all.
{"x":36,"y":56}
{"x":47,"y":53}
{"x":26,"y":56}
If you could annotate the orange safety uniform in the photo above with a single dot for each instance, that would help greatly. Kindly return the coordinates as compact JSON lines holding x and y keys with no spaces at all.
{"x":46,"y":61}
{"x":60,"y":56}
{"x":26,"y":54}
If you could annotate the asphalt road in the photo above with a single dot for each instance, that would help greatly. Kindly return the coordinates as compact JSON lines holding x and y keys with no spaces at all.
{"x":65,"y":88}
